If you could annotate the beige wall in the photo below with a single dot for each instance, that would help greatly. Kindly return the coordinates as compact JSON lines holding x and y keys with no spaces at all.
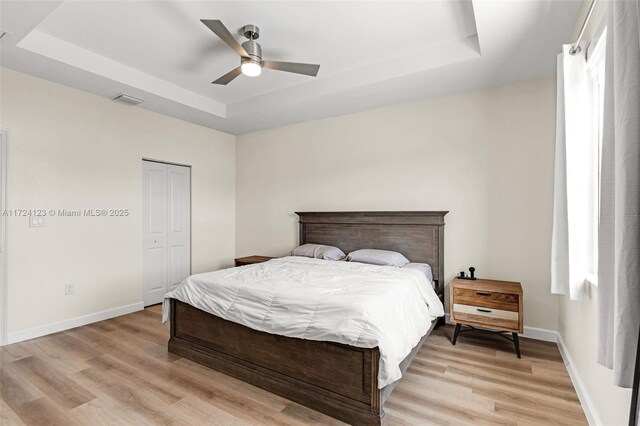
{"x":486,"y":156}
{"x":73,"y":150}
{"x":577,"y":320}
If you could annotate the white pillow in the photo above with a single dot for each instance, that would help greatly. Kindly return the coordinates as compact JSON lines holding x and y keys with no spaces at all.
{"x":378,"y":257}
{"x":318,"y":251}
{"x":422,"y":267}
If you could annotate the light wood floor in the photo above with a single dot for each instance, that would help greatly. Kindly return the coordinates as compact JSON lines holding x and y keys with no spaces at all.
{"x":119,"y":372}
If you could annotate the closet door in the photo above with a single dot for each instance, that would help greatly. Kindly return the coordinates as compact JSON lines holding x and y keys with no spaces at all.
{"x":179,"y":224}
{"x":166,"y":228}
{"x":154,"y":207}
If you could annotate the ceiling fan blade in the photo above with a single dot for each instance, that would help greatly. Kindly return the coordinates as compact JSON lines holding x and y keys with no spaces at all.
{"x":228,"y":77}
{"x":306,"y":69}
{"x":221,"y":31}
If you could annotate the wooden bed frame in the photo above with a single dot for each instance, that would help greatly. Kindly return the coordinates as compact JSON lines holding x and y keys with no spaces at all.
{"x":335,"y":379}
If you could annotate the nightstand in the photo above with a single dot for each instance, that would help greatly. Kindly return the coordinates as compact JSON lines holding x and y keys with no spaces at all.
{"x":250,"y":260}
{"x":487,"y":305}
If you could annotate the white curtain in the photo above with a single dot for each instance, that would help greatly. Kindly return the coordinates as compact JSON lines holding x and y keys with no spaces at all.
{"x":619,"y":233}
{"x":572,"y":249}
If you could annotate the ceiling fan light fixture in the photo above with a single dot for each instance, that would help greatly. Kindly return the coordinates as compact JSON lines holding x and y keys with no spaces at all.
{"x":251,"y":68}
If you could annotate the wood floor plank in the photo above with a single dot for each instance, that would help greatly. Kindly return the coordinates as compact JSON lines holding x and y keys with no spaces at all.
{"x":105,"y":408}
{"x":436,"y":380}
{"x":119,"y":372}
{"x":395,"y":417}
{"x":122,"y":372}
{"x":271,"y":400}
{"x":105,"y":326}
{"x":535,"y":416}
{"x":231,"y":400}
{"x":100,"y":411}
{"x":484,"y":360}
{"x":44,"y":412}
{"x":54,"y":384}
{"x":473,"y":403}
{"x":15,"y":390}
{"x":8,"y":417}
{"x":193,"y":411}
{"x":430,"y":364}
{"x":478,"y":410}
{"x":144,"y":332}
{"x":509,"y":393}
{"x":539,"y":366}
{"x":419,"y":413}
{"x":63,"y":360}
{"x":513,"y":383}
{"x":187,"y":380}
{"x":136,"y":399}
{"x":66,"y":344}
{"x":14,"y":352}
{"x":553,"y":406}
{"x":308,"y":416}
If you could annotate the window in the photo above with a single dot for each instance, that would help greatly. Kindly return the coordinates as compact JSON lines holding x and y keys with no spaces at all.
{"x":576,"y":203}
{"x":596,"y":70}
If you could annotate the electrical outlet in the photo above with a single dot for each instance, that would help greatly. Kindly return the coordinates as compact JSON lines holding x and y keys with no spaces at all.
{"x":36,"y":221}
{"x":68,"y":289}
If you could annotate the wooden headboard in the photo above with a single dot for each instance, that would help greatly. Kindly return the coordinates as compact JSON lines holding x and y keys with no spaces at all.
{"x":417,"y":235}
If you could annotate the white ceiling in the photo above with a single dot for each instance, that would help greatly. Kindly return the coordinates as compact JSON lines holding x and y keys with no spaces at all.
{"x":372,"y":53}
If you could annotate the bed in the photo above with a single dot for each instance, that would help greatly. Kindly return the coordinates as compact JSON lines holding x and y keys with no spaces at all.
{"x":338,"y":379}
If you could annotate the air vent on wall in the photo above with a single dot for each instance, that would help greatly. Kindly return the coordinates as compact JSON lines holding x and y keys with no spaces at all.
{"x":126,"y":99}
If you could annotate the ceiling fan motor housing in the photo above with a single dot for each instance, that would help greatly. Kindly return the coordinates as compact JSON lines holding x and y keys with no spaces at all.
{"x":253,"y":49}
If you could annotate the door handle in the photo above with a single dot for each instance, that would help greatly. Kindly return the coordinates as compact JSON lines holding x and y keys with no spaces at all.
{"x":483,"y":310}
{"x":483,"y":293}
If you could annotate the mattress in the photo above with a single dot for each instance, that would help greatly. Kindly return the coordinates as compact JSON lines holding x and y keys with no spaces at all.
{"x":351,"y":303}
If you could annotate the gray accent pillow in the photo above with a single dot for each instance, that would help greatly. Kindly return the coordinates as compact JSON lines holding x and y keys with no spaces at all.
{"x":378,"y":257}
{"x":319,"y":251}
{"x":422,"y":267}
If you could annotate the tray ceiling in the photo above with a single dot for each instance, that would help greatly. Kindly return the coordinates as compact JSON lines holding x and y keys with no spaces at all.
{"x":372,"y":54}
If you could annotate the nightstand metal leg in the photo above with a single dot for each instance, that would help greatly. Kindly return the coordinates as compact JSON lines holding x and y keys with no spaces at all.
{"x":516,"y":342}
{"x":455,"y":333}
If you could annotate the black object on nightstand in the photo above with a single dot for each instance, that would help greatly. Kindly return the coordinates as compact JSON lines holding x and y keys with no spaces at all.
{"x":471,"y":276}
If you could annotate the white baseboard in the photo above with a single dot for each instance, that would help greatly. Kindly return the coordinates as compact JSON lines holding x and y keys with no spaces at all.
{"x":540,"y":334}
{"x":587,"y":406}
{"x":529,"y":332}
{"x":32,"y":333}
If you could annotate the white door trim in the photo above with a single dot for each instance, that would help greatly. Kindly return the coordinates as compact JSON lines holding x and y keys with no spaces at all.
{"x":4,"y":137}
{"x":165,"y":162}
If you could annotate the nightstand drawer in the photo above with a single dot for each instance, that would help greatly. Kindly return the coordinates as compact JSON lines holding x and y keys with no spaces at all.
{"x":483,"y":315}
{"x":486,"y":299}
{"x":252,"y":260}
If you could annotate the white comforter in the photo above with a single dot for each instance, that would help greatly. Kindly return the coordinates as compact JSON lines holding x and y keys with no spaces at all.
{"x":346,"y":302}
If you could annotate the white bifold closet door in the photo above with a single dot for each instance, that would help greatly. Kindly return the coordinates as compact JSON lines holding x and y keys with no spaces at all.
{"x":166,"y":208}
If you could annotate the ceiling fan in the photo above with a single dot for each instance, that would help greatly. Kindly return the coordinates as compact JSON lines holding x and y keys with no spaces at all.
{"x":250,"y":52}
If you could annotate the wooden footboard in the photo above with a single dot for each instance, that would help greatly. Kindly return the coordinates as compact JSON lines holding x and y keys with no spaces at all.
{"x":335,"y":379}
